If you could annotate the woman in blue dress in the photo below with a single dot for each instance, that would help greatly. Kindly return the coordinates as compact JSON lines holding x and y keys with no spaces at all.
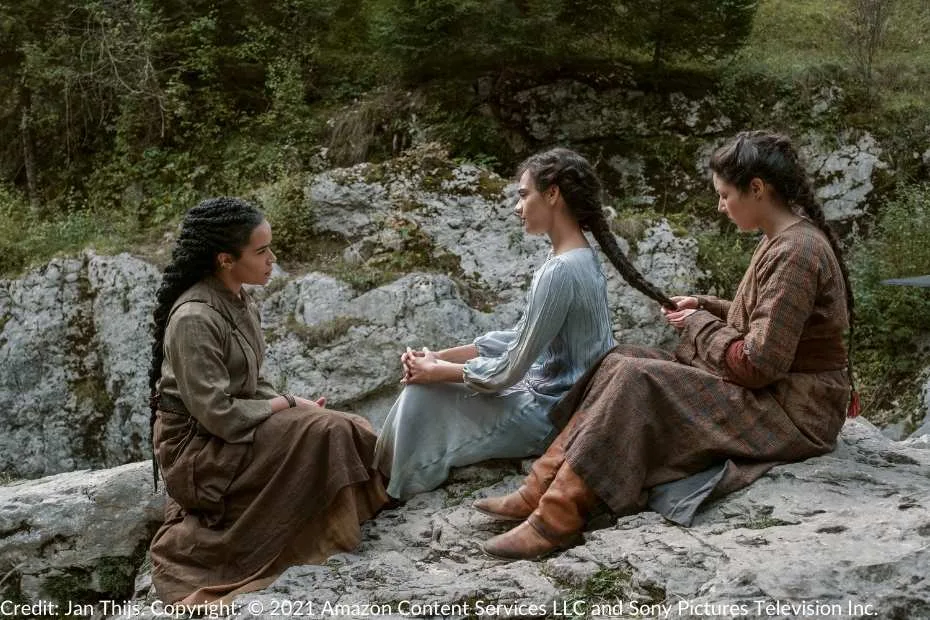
{"x":491,"y":398}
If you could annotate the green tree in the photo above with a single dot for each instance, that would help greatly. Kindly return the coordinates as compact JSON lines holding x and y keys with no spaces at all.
{"x":866,"y":25}
{"x":73,"y":70}
{"x":703,"y":29}
{"x":892,"y":321}
{"x":99,"y":90}
{"x":431,"y":38}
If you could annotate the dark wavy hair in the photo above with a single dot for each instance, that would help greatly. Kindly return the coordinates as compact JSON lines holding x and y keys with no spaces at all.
{"x":772,"y":158}
{"x":214,"y":226}
{"x":581,"y":189}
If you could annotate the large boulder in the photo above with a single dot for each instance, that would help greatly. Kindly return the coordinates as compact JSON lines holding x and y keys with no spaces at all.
{"x":845,"y":168}
{"x":79,"y":536}
{"x":74,"y":338}
{"x":842,"y":535}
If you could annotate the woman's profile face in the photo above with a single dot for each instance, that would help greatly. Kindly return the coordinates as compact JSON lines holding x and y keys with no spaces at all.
{"x":255,"y":260}
{"x":533,"y":208}
{"x":737,"y":205}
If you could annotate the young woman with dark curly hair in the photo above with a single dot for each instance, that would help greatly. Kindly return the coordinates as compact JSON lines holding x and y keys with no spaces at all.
{"x":257,"y":481}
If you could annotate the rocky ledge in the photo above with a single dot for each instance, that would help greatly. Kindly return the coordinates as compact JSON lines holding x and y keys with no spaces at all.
{"x":846,"y":535}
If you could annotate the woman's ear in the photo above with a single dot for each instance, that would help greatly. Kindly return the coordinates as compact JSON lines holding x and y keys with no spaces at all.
{"x":757,"y":188}
{"x":553,"y":194}
{"x":224,"y":260}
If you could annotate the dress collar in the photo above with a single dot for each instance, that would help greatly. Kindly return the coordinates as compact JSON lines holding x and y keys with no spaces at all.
{"x":220,"y":289}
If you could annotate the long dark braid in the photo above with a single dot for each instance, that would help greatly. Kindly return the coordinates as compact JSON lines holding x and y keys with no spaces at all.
{"x":215,"y":225}
{"x":581,"y":189}
{"x":772,"y":158}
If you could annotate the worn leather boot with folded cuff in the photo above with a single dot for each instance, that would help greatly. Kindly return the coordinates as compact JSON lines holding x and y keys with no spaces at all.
{"x":518,"y":505}
{"x":556,"y":523}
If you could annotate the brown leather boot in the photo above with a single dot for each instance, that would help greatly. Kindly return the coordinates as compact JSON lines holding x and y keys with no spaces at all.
{"x":518,"y":505}
{"x":556,"y":523}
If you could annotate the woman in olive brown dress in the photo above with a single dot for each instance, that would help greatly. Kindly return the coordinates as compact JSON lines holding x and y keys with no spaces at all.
{"x":257,"y":480}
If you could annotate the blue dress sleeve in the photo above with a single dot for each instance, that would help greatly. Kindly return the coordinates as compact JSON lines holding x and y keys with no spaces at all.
{"x":550,"y":299}
{"x":495,"y":344}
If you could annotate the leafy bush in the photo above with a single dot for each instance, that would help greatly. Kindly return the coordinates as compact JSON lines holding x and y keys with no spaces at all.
{"x":892,"y":321}
{"x":27,"y":237}
{"x":723,"y":255}
{"x":291,"y":220}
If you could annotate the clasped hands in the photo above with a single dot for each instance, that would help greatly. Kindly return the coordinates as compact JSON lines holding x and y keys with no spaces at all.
{"x":686,"y":307}
{"x":419,"y":366}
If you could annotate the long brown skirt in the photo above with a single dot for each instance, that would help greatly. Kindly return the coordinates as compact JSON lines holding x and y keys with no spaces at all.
{"x":240,"y":514}
{"x":648,"y":419}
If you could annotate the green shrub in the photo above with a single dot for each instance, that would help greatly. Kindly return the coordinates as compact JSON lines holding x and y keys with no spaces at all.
{"x":723,"y":256}
{"x":891,"y":321}
{"x":27,"y":238}
{"x":291,"y":219}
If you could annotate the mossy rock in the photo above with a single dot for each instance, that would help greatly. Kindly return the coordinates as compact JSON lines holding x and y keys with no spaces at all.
{"x":325,"y":333}
{"x":609,"y":585}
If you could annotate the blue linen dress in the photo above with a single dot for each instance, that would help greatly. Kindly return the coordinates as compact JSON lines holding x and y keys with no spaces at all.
{"x":501,"y":410}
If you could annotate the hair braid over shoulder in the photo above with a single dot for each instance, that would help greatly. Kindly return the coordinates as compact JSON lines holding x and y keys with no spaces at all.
{"x":215,"y":225}
{"x":581,"y":189}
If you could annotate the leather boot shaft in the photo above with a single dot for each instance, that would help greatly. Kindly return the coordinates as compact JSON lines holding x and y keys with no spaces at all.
{"x":564,"y":508}
{"x":556,"y":523}
{"x":518,"y":505}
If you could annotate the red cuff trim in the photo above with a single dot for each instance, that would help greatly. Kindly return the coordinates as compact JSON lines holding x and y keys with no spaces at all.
{"x":741,"y":369}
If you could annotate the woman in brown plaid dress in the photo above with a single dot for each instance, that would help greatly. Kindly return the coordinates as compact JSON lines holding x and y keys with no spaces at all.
{"x":753,"y":382}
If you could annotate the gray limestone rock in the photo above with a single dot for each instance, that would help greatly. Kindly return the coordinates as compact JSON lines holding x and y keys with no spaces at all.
{"x":484,"y":236}
{"x":847,"y":532}
{"x":79,"y":536}
{"x":631,"y":176}
{"x":844,"y":173}
{"x":74,"y":341}
{"x":74,"y":335}
{"x":896,"y":431}
{"x":325,"y":339}
{"x":840,"y":536}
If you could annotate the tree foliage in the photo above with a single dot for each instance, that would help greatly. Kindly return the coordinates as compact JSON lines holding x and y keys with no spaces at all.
{"x":113,"y":101}
{"x":669,"y":29}
{"x":892,"y":321}
{"x":430,"y":37}
{"x":866,"y":29}
{"x":100,"y":78}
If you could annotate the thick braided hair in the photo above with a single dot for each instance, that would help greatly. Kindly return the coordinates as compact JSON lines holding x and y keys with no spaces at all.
{"x":772,"y":158}
{"x":581,"y":189}
{"x":215,"y":225}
